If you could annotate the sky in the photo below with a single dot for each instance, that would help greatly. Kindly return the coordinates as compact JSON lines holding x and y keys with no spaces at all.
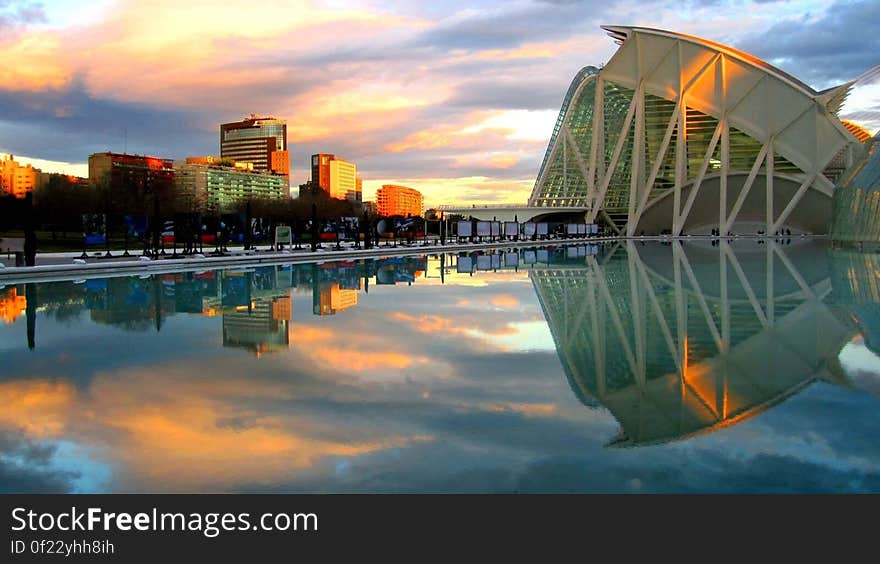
{"x":457,"y":100}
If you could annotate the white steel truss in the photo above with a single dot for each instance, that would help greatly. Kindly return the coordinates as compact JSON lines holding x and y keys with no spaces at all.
{"x":789,"y":131}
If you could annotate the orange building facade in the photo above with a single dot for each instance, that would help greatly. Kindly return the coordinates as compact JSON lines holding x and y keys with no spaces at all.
{"x":336,"y":176}
{"x":17,"y":179}
{"x":398,"y":200}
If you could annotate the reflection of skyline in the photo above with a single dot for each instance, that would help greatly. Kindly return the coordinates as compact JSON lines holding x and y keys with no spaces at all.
{"x":12,"y":305}
{"x":261,"y":326}
{"x":420,"y":388}
{"x":681,"y":340}
{"x":254,"y":304}
{"x":331,"y":298}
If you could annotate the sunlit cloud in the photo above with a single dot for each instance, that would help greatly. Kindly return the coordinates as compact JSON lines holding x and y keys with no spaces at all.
{"x":522,"y":125}
{"x":166,"y":428}
{"x":458,"y":99}
{"x":38,"y":407}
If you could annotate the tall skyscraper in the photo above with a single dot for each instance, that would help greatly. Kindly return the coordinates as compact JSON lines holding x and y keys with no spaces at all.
{"x":336,"y":176}
{"x":398,"y":200}
{"x":261,"y":141}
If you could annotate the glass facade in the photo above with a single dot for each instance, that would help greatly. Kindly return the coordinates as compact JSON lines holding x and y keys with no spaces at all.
{"x":256,"y":140}
{"x":856,"y":214}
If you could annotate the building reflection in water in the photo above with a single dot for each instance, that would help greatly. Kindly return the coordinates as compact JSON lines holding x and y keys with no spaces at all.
{"x":674,"y":339}
{"x":12,"y":304}
{"x":255,"y":304}
{"x":681,"y":339}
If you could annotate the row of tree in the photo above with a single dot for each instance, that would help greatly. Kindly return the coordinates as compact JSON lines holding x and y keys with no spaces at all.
{"x":59,"y":204}
{"x":58,"y":208}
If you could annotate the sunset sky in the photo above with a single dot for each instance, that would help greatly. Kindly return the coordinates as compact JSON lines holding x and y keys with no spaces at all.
{"x":457,"y":100}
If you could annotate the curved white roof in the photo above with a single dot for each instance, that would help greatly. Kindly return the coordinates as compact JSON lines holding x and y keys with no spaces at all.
{"x":721,"y":81}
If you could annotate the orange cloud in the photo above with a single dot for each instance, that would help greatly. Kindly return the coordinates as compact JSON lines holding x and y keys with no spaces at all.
{"x":350,"y":360}
{"x":39,"y":407}
{"x":309,"y":334}
{"x":167,"y":430}
{"x":32,"y":62}
{"x":444,"y":325}
{"x":504,"y":301}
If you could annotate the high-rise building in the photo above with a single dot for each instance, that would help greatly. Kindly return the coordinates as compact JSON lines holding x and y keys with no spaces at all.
{"x":398,"y":200}
{"x":139,"y":173}
{"x":343,"y":180}
{"x":330,"y":298}
{"x":261,"y":141}
{"x":321,"y":170}
{"x":16,"y":179}
{"x":212,"y":184}
{"x":261,"y":326}
{"x":336,"y":176}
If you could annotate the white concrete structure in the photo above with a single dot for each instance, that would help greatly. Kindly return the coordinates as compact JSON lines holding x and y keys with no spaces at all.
{"x":680,"y":134}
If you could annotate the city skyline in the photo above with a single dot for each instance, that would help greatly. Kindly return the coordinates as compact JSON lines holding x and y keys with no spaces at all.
{"x":416,"y":96}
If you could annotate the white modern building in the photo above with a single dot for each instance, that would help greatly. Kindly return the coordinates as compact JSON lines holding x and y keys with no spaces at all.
{"x":678,"y":134}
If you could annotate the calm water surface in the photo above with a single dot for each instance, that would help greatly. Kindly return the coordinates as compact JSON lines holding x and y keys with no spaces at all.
{"x":743,"y":367}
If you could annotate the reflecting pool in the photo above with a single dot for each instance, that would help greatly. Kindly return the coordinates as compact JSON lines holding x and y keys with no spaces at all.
{"x":692,"y":366}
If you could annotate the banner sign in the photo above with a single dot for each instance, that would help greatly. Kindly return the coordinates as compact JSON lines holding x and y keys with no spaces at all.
{"x":168,"y":231}
{"x":529,"y":257}
{"x":94,"y":228}
{"x":543,"y":229}
{"x":594,"y":229}
{"x":484,"y":229}
{"x":136,"y":226}
{"x":511,"y":229}
{"x":495,"y":228}
{"x":465,"y":229}
{"x":484,"y":262}
{"x":511,"y":259}
{"x":529,"y":229}
{"x":571,"y":229}
{"x":283,"y":235}
{"x":465,"y":265}
{"x":582,"y":228}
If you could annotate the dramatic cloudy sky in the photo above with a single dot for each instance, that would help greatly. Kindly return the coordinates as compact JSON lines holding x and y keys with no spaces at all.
{"x":457,"y":100}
